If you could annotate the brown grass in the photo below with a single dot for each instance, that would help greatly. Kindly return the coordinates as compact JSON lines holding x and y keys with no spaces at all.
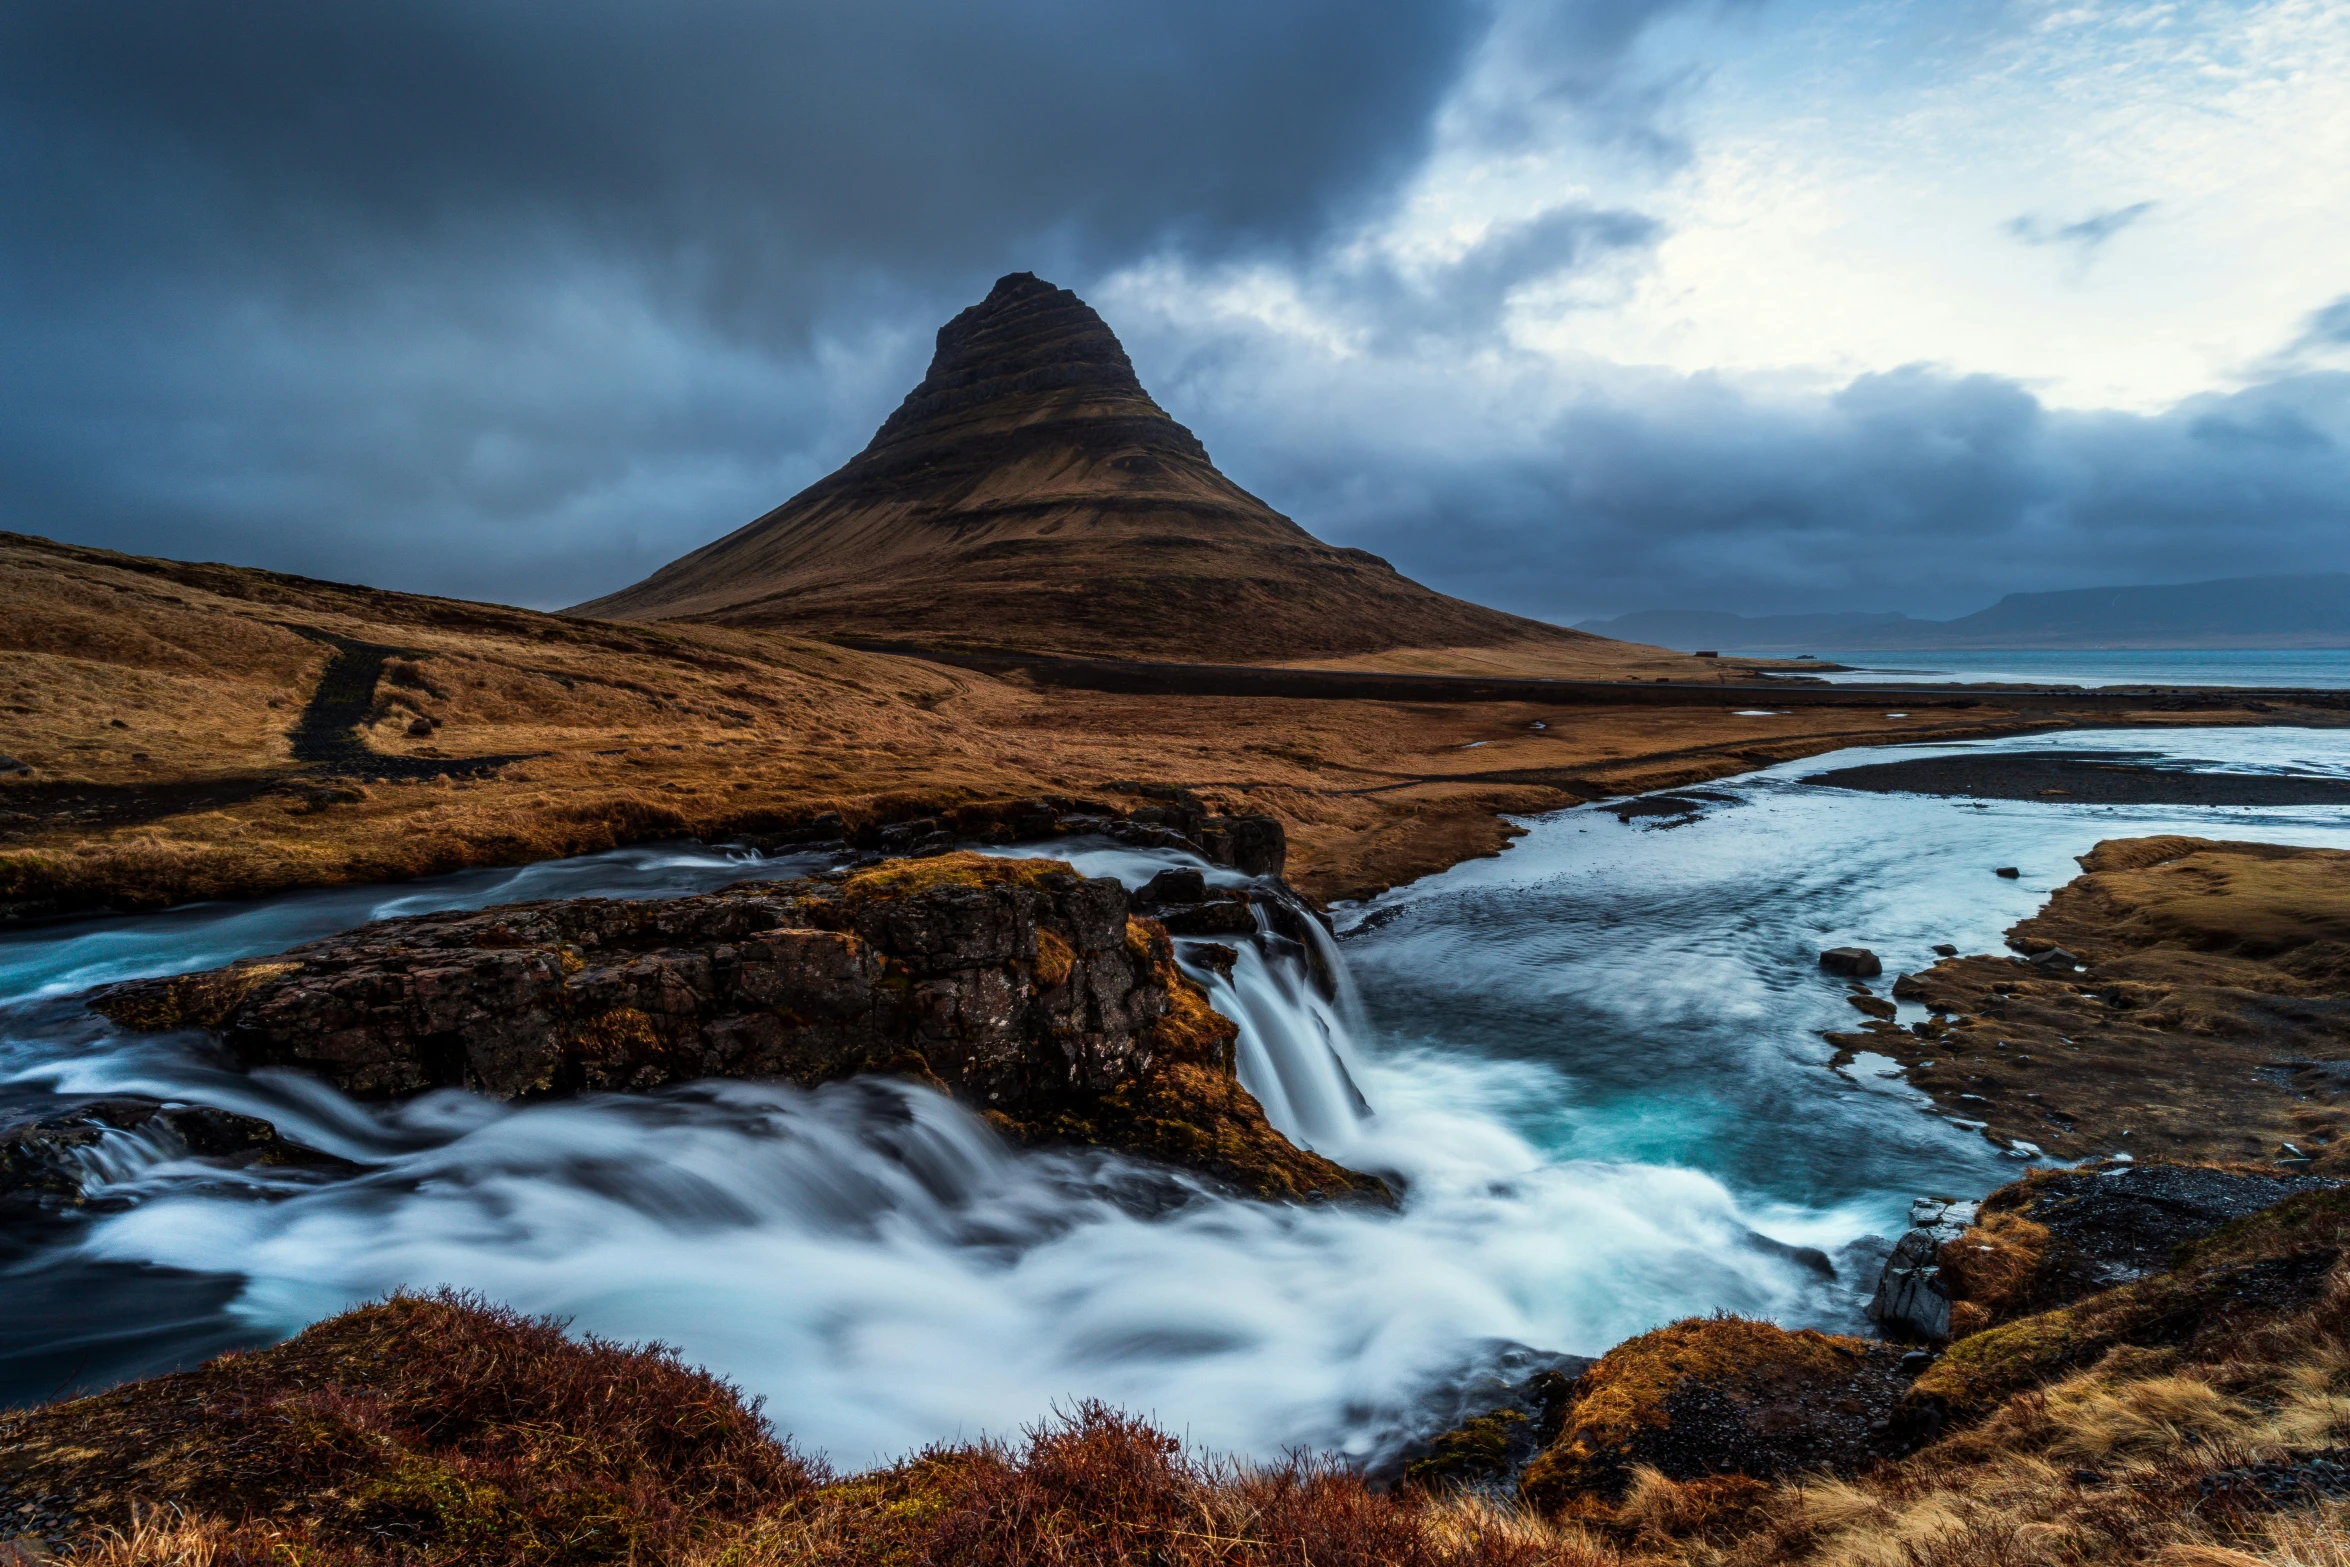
{"x":430,"y":1432}
{"x":902,"y":878}
{"x":636,"y":732}
{"x":441,"y":1431}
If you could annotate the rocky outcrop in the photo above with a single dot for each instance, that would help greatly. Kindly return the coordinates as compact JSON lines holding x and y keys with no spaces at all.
{"x":1168,"y":817}
{"x":1912,"y":1299}
{"x":2057,"y":1236}
{"x":1025,"y":990}
{"x":1720,"y":1397}
{"x":53,"y":1159}
{"x":2210,"y":1300}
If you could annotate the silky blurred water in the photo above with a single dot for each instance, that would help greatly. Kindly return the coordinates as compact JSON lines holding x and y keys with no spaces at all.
{"x":1592,"y":1064}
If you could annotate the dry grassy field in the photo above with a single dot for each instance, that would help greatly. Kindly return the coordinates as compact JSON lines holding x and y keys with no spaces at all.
{"x":152,"y":708}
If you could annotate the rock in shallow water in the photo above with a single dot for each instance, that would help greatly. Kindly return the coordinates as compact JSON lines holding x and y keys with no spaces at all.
{"x":1020,"y":987}
{"x":1912,"y":1298}
{"x":55,"y":1158}
{"x":1856,"y":962}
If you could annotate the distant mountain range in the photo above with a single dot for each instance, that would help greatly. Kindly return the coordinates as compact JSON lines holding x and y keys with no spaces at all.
{"x":2237,"y":612}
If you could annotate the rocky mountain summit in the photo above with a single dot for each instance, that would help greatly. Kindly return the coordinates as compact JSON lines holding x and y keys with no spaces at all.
{"x":1034,"y":995}
{"x":1030,"y":494}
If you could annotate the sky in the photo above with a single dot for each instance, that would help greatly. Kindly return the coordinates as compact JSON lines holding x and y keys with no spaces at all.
{"x":1577,"y":307}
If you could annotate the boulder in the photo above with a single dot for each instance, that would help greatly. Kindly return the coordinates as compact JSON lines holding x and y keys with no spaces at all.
{"x":1176,"y":884}
{"x":1025,"y":990}
{"x":1854,"y":962}
{"x":1252,"y":845}
{"x":1943,"y":949}
{"x":1232,"y":914}
{"x":2008,"y":871}
{"x":1912,"y":1298}
{"x":1715,"y":1397}
{"x":53,"y":1159}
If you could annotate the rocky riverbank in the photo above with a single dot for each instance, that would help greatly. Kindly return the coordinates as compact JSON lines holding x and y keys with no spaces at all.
{"x":2181,"y":997}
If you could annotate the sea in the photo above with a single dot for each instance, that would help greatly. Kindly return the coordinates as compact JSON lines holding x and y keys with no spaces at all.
{"x":2325,"y":668}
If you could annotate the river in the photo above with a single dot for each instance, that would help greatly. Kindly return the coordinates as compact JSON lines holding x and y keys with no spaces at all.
{"x":1593,"y":1063}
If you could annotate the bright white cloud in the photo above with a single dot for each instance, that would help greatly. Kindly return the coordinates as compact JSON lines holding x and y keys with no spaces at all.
{"x":1870,"y":189}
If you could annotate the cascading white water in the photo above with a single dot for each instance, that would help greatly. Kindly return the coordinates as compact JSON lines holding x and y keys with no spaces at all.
{"x":878,"y":1264}
{"x":1293,"y":1039}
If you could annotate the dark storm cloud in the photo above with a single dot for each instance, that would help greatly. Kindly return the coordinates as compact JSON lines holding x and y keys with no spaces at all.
{"x":1912,"y":490}
{"x":500,"y":297}
{"x":520,"y":300}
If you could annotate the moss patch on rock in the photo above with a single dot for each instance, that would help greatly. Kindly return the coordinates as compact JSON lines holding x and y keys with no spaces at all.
{"x":1714,"y":1396}
{"x":2269,"y":1263}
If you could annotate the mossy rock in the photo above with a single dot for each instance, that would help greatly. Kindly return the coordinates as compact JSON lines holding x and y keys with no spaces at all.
{"x":1713,"y":1396}
{"x":2249,"y":1272}
{"x":964,"y":868}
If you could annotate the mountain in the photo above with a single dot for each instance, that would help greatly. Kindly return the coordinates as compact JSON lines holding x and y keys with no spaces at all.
{"x":1030,"y":494}
{"x":2312,"y":610}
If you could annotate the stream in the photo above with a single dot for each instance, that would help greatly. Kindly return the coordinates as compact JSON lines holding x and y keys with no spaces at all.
{"x":1593,"y":1065}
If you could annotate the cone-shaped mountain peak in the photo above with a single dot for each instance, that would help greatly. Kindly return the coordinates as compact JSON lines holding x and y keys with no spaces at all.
{"x":1030,"y":494}
{"x":1028,"y":345}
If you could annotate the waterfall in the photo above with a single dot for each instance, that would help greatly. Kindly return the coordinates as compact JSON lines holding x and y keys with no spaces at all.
{"x":870,"y":1256}
{"x":1297,"y":1010}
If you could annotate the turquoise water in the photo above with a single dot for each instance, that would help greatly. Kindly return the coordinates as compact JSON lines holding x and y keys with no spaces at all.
{"x":2325,"y":668}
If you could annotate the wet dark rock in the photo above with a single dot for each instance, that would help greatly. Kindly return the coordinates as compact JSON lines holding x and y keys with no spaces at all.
{"x":2055,"y":958}
{"x":1857,"y":962}
{"x":1488,"y":1422}
{"x":1718,"y":1398}
{"x":52,"y":1158}
{"x":1252,"y":845}
{"x":1177,"y":884}
{"x":1912,"y":1298}
{"x":2057,"y":1236}
{"x":1943,"y":949}
{"x":1230,"y":914}
{"x":1907,"y":987}
{"x":1016,"y":985}
{"x":2008,"y":871}
{"x":2112,"y":1226}
{"x":9,"y":764}
{"x":762,"y":979}
{"x":1672,"y":810}
{"x":1213,"y":956}
{"x":1810,"y":1258}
